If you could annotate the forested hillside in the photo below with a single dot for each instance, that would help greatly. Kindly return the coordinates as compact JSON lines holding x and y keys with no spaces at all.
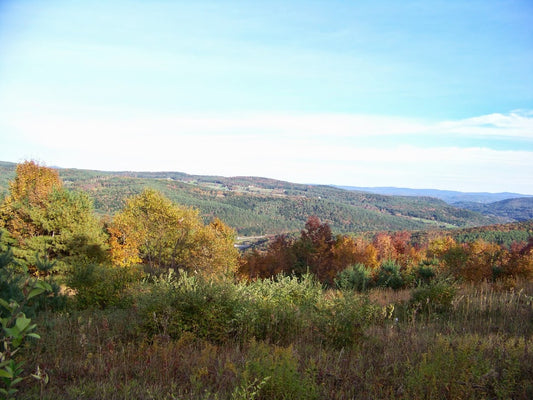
{"x":517,"y":209}
{"x":256,"y":206}
{"x":449,"y":196}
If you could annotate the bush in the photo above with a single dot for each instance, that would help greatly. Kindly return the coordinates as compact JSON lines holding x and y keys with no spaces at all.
{"x":10,"y":283}
{"x":357,"y":277}
{"x":342,"y":320}
{"x":206,"y":308}
{"x":425,"y":271}
{"x":436,"y":297}
{"x":389,"y":275}
{"x":278,"y":309}
{"x":101,"y":285}
{"x":15,"y":278}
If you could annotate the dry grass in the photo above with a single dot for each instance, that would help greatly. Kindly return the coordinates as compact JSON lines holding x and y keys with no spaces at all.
{"x":385,"y":296}
{"x":482,"y":349}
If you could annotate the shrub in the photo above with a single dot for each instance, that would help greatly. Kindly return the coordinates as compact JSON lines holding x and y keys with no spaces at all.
{"x":436,"y":296}
{"x":14,"y":279}
{"x":206,"y":308}
{"x":425,"y":271}
{"x":342,"y":320}
{"x":389,"y":275}
{"x":101,"y":285}
{"x":357,"y":277}
{"x":15,"y":327}
{"x":277,"y":309}
{"x":10,"y":283}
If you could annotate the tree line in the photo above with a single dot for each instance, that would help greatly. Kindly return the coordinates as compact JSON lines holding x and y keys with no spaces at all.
{"x":41,"y":219}
{"x":394,"y":260}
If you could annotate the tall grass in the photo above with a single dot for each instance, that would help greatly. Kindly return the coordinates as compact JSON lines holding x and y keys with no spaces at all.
{"x":483,"y":309}
{"x":289,"y":338}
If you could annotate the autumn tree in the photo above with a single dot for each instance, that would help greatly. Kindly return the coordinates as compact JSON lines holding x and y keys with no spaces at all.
{"x":47,"y":219}
{"x":483,"y":258}
{"x":350,"y":251}
{"x":28,"y":198}
{"x":474,"y":261}
{"x":213,"y":252}
{"x":438,"y":246}
{"x":152,"y":230}
{"x":314,"y":249}
{"x":366,"y":253}
{"x":519,"y":262}
{"x":344,"y":253}
{"x":278,"y":258}
{"x":384,"y":246}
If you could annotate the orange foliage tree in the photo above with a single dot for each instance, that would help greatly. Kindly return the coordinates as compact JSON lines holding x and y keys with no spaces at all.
{"x":277,"y":259}
{"x":384,"y":246}
{"x":519,"y":262}
{"x":318,"y":252}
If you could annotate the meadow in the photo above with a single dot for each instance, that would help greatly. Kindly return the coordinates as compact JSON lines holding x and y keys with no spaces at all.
{"x":288,"y":338}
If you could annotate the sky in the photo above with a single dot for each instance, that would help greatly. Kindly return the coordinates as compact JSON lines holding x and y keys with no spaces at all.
{"x":421,"y":94}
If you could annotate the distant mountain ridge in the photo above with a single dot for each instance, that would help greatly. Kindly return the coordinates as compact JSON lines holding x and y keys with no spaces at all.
{"x":449,"y":196}
{"x":258,"y":206}
{"x":516,"y":209}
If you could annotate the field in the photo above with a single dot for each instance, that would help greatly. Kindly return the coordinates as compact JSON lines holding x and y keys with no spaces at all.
{"x":290,"y":339}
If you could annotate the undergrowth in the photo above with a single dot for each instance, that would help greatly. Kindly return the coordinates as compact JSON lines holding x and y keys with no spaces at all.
{"x":289,"y":338}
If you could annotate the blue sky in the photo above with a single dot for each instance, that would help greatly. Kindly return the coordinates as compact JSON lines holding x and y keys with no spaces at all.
{"x":422,"y":94}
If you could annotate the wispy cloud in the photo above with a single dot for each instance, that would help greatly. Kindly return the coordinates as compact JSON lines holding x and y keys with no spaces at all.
{"x":515,"y":124}
{"x":319,"y":148}
{"x":42,"y":127}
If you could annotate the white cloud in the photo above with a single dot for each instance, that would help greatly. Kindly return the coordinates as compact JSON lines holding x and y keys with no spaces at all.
{"x":517,"y":124}
{"x":319,"y":148}
{"x":61,"y":128}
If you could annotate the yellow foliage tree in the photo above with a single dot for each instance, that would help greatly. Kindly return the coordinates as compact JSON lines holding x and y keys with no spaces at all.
{"x":439,"y":246}
{"x":213,"y":252}
{"x":153,"y":230}
{"x":482,"y":258}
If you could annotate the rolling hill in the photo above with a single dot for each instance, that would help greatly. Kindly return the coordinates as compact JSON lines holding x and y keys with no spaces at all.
{"x":257,"y":206}
{"x":517,"y":209}
{"x":449,"y":196}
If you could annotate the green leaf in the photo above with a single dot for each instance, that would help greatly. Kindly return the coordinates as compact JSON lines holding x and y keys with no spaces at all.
{"x":35,"y":292}
{"x":5,"y":374}
{"x":33,"y":335}
{"x":4,"y":304}
{"x":12,"y":391}
{"x":16,"y":380}
{"x":12,"y":332}
{"x":22,"y":323}
{"x":45,"y":286}
{"x":8,"y":370}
